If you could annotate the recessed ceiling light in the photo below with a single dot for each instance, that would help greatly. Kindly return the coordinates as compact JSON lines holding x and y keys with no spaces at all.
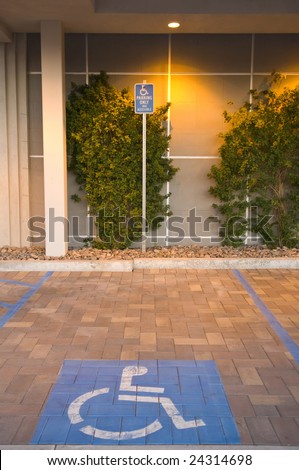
{"x":174,"y":24}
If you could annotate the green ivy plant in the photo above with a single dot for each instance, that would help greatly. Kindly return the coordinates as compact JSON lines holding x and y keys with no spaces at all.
{"x":104,"y":139}
{"x":257,"y":181}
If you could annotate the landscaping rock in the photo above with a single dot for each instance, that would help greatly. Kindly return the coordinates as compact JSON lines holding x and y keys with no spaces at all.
{"x":38,"y":253}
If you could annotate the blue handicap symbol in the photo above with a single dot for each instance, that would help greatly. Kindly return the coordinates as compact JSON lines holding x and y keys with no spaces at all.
{"x":145,"y":402}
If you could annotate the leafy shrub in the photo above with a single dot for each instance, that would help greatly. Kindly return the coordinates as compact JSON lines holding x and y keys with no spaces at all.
{"x":259,"y":165}
{"x":104,"y":137}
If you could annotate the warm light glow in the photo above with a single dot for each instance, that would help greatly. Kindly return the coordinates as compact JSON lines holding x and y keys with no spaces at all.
{"x":173,"y":24}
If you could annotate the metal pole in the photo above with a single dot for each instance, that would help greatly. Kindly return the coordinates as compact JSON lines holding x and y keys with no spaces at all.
{"x":144,"y":182}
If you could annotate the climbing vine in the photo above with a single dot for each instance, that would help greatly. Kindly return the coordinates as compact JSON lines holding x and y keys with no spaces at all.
{"x":257,"y":181}
{"x":104,"y":138}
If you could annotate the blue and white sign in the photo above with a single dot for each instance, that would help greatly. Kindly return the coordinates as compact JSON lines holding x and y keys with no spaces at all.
{"x":144,"y":98}
{"x":130,"y":402}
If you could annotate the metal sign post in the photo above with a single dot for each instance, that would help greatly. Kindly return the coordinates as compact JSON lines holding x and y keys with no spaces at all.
{"x":144,"y":104}
{"x":143,"y":243}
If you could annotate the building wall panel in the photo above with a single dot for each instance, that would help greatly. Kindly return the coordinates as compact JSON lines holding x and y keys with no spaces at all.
{"x":199,"y":75}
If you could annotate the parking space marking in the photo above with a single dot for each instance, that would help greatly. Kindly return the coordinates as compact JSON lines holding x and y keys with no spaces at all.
{"x":14,"y":308}
{"x":18,"y":283}
{"x":5,"y":305}
{"x":289,"y":343}
{"x":165,"y":402}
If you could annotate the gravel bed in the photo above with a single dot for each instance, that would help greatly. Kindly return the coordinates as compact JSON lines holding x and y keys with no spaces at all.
{"x":38,"y":253}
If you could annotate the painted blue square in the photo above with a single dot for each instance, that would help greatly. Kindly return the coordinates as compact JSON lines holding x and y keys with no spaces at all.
{"x":149,"y":364}
{"x":112,"y":426}
{"x":188,"y":371}
{"x":185,"y":436}
{"x":66,"y":378}
{"x":86,"y":374}
{"x":212,"y":433}
{"x":128,"y":424}
{"x":55,"y":431}
{"x":148,"y":409}
{"x":164,"y":414}
{"x":189,"y":381}
{"x":211,"y":379}
{"x":71,"y":367}
{"x":109,"y":381}
{"x":168,"y":375}
{"x":162,"y":437}
{"x":39,"y":430}
{"x":193,"y":398}
{"x":56,"y":405}
{"x":230,"y":429}
{"x":137,"y":403}
{"x":76,"y":437}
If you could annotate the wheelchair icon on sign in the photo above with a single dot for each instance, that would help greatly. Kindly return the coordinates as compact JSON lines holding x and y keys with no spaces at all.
{"x":125,"y":394}
{"x":143,"y":91}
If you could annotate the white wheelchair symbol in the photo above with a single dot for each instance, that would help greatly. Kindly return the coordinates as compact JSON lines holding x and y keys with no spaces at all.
{"x":126,"y":386}
{"x":143,"y":91}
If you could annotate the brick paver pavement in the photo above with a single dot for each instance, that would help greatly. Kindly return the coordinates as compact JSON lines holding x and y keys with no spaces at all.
{"x":154,"y":314}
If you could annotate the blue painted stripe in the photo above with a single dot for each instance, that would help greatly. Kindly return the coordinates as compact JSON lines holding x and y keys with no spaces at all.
{"x":19,"y":283}
{"x":22,"y":301}
{"x":5,"y":305}
{"x":290,"y":344}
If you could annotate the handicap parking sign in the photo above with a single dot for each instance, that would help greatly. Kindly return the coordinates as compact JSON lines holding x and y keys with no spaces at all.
{"x":144,"y":98}
{"x":137,"y":402}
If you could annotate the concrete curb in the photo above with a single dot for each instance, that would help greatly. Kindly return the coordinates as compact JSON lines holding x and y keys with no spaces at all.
{"x":68,"y":265}
{"x":115,"y":265}
{"x":216,"y":263}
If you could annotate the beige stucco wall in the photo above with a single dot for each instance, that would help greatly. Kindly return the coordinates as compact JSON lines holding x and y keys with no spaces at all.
{"x":199,"y":74}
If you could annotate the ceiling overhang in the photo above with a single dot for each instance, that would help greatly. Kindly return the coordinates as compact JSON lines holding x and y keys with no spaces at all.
{"x":196,"y":6}
{"x":151,"y":16}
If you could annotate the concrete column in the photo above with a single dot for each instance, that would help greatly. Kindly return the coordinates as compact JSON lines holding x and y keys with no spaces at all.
{"x":12,"y":140}
{"x":53,"y":101}
{"x":14,"y":187}
{"x":23,"y":144}
{"x":4,"y":185}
